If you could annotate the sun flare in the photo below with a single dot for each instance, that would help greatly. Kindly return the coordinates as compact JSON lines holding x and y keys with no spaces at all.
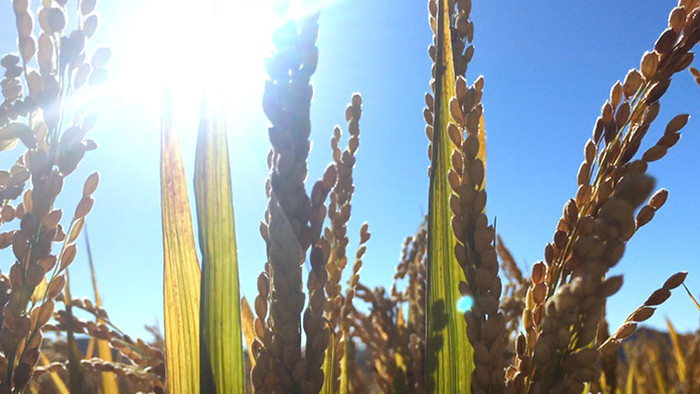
{"x":217,"y":47}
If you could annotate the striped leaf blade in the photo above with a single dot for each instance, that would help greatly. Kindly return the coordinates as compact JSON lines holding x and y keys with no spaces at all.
{"x":181,"y":281}
{"x":221,"y":348}
{"x":448,"y":352}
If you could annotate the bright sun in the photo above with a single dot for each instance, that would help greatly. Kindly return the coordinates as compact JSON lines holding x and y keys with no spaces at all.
{"x":211,"y":47}
{"x":216,"y":46}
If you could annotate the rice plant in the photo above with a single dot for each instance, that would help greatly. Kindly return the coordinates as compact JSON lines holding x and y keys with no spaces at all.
{"x":542,"y":331}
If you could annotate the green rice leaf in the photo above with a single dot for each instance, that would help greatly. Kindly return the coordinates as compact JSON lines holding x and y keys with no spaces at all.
{"x":221,"y":348}
{"x":181,"y":282}
{"x":344,"y":366}
{"x":448,"y":353}
{"x":329,"y":366}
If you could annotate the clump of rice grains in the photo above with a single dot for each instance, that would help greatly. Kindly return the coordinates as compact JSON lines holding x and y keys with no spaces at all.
{"x":35,"y":86}
{"x":335,"y":236}
{"x":293,"y":223}
{"x":608,"y":344}
{"x":139,"y":364}
{"x":395,"y":343}
{"x":598,"y":222}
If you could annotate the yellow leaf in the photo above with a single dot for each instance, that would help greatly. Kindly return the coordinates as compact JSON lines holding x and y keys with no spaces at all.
{"x":57,"y":381}
{"x":181,"y":279}
{"x":681,"y":367}
{"x":248,"y":321}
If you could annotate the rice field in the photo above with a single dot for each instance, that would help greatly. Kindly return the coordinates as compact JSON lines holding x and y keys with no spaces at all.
{"x":460,"y":314}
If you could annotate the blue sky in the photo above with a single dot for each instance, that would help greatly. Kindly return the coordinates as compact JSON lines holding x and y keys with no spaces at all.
{"x":548,"y":68}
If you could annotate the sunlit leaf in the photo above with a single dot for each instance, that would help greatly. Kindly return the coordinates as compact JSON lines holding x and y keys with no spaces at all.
{"x":678,"y":354}
{"x":181,"y":279}
{"x":57,"y":381}
{"x":109,"y":381}
{"x":221,"y":348}
{"x":248,"y":321}
{"x":448,"y":353}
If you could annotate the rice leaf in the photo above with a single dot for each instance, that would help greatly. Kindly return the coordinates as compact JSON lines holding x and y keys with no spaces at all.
{"x":329,"y":366}
{"x":344,"y":365}
{"x":247,"y":320}
{"x":681,"y":366}
{"x":448,"y":353}
{"x":632,"y":377}
{"x":221,"y":348}
{"x":691,"y":296}
{"x":653,"y":358}
{"x":109,"y":381}
{"x":90,"y":348}
{"x":57,"y":381}
{"x":181,"y":281}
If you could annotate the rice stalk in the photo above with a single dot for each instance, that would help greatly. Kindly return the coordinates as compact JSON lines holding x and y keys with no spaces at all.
{"x":691,"y":296}
{"x":109,"y":382}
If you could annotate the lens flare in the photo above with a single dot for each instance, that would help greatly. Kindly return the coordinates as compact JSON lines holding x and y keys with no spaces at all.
{"x":464,"y":303}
